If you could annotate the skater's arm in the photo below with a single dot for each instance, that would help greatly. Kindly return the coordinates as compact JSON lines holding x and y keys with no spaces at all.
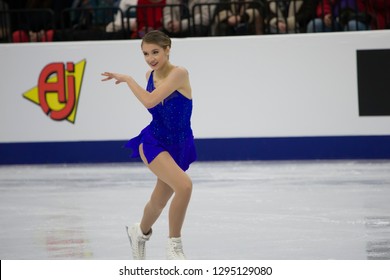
{"x":173,"y":82}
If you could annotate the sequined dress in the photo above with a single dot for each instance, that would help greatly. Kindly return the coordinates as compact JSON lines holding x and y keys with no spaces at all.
{"x":170,"y":130}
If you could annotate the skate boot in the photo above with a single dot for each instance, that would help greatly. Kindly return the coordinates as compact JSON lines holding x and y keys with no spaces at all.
{"x":175,"y":249}
{"x":137,"y":241}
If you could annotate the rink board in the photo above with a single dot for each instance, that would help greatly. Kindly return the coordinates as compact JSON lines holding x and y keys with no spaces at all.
{"x":321,"y":96}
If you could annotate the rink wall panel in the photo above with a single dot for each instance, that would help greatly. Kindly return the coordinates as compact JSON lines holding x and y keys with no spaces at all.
{"x":306,"y":96}
{"x":229,"y":149}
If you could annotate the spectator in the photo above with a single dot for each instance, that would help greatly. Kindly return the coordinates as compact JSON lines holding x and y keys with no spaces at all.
{"x":179,"y":20}
{"x":23,"y":36}
{"x":5,"y":22}
{"x":290,"y":16}
{"x":16,"y":4}
{"x":337,"y":15}
{"x":93,"y":14}
{"x":149,"y":16}
{"x":238,"y":17}
{"x":379,"y":10}
{"x":130,"y":23}
{"x":93,"y":3}
{"x":58,"y":6}
{"x":35,"y":26}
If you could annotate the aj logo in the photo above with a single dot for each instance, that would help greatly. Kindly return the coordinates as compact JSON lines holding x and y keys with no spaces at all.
{"x":58,"y":90}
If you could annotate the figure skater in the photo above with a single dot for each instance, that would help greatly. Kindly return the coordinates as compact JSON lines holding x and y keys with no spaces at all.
{"x":166,"y":145}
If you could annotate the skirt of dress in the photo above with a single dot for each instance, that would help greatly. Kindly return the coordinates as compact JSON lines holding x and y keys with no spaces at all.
{"x":183,"y":153}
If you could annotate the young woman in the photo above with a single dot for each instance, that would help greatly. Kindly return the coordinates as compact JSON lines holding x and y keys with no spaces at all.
{"x":166,"y":145}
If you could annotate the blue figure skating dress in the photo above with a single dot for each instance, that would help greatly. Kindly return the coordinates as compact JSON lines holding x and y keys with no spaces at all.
{"x":170,"y":130}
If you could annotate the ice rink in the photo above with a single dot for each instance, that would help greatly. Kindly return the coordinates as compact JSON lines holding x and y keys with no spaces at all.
{"x":271,"y":210}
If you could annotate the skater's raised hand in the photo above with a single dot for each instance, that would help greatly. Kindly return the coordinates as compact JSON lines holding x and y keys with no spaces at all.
{"x":120,"y":78}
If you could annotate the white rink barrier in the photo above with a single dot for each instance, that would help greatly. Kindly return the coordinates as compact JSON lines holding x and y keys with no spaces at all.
{"x":305,"y":96}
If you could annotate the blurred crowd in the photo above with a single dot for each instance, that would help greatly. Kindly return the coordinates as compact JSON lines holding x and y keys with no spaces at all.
{"x":68,"y":20}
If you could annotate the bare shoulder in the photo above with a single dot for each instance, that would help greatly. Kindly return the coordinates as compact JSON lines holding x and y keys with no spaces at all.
{"x":183,"y":76}
{"x":180,"y":70}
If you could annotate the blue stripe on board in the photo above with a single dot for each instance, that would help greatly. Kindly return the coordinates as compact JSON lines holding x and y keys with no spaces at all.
{"x":275,"y":148}
{"x":295,"y":148}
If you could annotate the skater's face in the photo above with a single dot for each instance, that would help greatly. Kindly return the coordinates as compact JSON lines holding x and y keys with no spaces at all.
{"x":155,"y":56}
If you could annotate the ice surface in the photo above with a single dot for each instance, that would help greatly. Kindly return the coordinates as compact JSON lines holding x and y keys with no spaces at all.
{"x":278,"y":210}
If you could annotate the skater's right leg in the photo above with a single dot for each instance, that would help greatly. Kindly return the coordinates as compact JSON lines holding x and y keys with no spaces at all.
{"x":158,"y":200}
{"x":140,"y":233}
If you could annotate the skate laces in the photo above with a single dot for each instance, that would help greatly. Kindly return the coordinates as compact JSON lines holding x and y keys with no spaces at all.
{"x":139,"y":249}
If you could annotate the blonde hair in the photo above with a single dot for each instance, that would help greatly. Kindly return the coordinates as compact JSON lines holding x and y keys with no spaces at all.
{"x":158,"y":38}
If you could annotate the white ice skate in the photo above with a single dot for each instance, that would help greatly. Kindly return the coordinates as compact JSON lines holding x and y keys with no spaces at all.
{"x":175,"y":249}
{"x":137,"y":241}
